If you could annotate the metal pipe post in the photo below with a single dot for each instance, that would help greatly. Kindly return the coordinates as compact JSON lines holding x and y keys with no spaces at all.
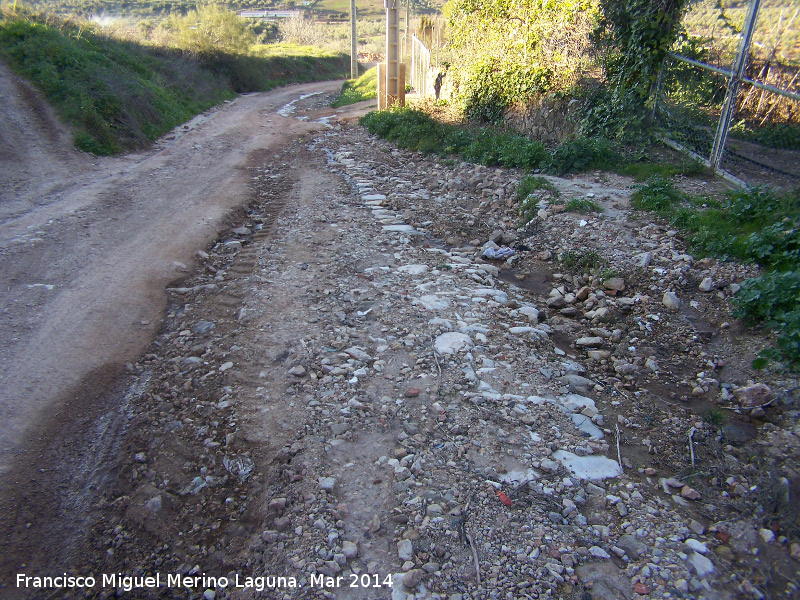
{"x":737,"y":72}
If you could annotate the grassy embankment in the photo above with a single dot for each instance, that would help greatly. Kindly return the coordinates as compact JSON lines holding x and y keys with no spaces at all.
{"x":356,"y":90}
{"x":120,"y":95}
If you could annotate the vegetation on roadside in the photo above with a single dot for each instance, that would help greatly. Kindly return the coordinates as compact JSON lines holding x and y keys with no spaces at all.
{"x":356,"y":90}
{"x":532,"y":183}
{"x":754,"y":226}
{"x":527,"y":197}
{"x":120,"y":95}
{"x":414,"y":129}
{"x":583,"y":206}
{"x":508,"y":52}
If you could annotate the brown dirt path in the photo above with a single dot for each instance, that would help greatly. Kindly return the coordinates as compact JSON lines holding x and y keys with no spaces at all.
{"x":89,"y":245}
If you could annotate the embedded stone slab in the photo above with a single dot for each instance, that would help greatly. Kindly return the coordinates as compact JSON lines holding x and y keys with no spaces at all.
{"x":588,"y":467}
{"x":452,"y":342}
{"x":402,"y":229}
{"x":413,"y":269}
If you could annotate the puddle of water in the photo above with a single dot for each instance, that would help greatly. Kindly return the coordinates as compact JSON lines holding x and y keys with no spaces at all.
{"x":287,"y":109}
{"x":538,"y":281}
{"x":704,"y":329}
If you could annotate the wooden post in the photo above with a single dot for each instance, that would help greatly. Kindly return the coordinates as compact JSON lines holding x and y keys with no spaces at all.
{"x":381,"y":86}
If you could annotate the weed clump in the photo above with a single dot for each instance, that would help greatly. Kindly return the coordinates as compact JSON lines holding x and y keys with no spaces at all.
{"x":658,"y":195}
{"x":582,"y":154}
{"x":532,"y":183}
{"x":581,"y":260}
{"x":583,"y":206}
{"x":527,"y":197}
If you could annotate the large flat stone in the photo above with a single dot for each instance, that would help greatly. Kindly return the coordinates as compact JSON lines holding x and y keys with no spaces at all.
{"x":588,"y":467}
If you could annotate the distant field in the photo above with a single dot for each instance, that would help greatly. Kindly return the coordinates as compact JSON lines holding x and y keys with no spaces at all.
{"x":364,"y":8}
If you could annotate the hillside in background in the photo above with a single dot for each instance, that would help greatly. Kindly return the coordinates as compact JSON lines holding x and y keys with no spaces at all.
{"x":119,"y":95}
{"x":148,"y":9}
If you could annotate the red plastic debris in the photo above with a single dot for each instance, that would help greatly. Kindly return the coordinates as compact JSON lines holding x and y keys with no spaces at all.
{"x":641,"y":588}
{"x":504,"y":499}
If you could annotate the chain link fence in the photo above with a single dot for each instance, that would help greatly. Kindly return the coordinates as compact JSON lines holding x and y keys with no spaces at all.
{"x":730,"y":93}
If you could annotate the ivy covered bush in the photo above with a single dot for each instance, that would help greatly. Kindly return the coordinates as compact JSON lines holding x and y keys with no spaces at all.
{"x":511,"y":51}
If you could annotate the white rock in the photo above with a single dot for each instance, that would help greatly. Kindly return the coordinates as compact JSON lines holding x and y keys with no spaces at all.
{"x":401,"y":229}
{"x":576,"y":402}
{"x":327,"y":483}
{"x":696,"y":545}
{"x":588,"y":467}
{"x":432,"y":302}
{"x":349,"y":549}
{"x":584,"y":424}
{"x":413,"y":269}
{"x":767,"y":535}
{"x":700,"y":564}
{"x":530,"y":312}
{"x":643,"y":259}
{"x":598,"y":552}
{"x":497,"y":295}
{"x":358,"y":354}
{"x":671,"y":301}
{"x":589,"y":342}
{"x":297,"y":371}
{"x":452,"y":342}
{"x":706,"y":285}
{"x":405,"y":549}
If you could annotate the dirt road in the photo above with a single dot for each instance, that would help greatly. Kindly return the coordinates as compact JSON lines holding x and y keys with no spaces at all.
{"x":344,"y":399}
{"x":88,"y":245}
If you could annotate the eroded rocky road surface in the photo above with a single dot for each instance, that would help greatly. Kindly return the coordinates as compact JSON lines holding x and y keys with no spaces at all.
{"x":344,"y":400}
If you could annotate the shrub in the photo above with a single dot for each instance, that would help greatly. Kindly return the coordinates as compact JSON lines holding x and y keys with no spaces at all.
{"x":210,"y":29}
{"x":658,"y":195}
{"x":774,"y":299}
{"x":582,"y":154}
{"x":491,"y":86}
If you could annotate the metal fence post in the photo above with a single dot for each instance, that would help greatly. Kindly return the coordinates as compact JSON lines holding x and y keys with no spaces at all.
{"x":737,"y":72}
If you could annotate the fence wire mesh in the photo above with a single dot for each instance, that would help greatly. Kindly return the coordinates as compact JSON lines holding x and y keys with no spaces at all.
{"x":759,"y":137}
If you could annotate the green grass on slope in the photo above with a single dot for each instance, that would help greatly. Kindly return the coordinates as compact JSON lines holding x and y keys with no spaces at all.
{"x":356,"y":90}
{"x":118,"y":95}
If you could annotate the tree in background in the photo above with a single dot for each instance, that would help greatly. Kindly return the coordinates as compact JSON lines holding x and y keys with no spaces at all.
{"x":211,"y":28}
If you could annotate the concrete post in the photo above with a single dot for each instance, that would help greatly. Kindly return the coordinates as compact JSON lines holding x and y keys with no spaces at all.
{"x":392,"y":53}
{"x":353,"y":42}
